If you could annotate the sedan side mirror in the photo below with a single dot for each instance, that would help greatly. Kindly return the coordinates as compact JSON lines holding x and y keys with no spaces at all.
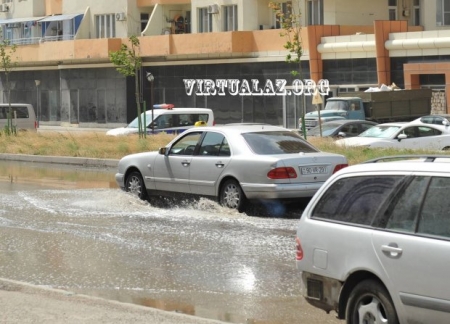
{"x":401,"y":137}
{"x":162,"y":150}
{"x":341,"y":134}
{"x":445,"y":123}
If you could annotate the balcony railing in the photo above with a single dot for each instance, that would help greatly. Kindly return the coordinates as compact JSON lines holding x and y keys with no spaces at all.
{"x":37,"y":40}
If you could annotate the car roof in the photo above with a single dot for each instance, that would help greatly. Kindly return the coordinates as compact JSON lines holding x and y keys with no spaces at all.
{"x":348,"y":121}
{"x":400,"y":124}
{"x":188,"y":110}
{"x":241,"y":128}
{"x":437,"y":115}
{"x":411,"y":163}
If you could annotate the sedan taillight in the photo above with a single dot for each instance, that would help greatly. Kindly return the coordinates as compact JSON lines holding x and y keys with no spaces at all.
{"x":339,"y":167}
{"x":282,"y":173}
{"x":299,"y":249}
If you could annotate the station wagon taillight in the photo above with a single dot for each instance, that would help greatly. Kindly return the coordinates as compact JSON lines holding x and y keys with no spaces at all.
{"x":339,"y":167}
{"x":298,"y":249}
{"x":282,"y":173}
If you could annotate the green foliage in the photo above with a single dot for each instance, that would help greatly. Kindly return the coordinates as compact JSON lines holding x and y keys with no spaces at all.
{"x":7,"y":65}
{"x":127,"y":60}
{"x":290,"y":22}
{"x":128,"y":63}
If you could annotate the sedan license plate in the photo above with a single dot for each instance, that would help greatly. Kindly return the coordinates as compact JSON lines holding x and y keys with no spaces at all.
{"x":313,"y":170}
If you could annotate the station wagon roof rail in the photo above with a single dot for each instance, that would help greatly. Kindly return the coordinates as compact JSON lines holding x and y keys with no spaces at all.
{"x":426,"y":157}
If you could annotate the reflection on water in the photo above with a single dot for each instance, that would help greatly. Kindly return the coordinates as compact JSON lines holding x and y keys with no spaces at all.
{"x":56,"y":175}
{"x":71,"y":228}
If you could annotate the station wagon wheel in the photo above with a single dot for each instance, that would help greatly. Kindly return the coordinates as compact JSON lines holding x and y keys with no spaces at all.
{"x":135,"y":185}
{"x":370,"y":303}
{"x":232,"y":196}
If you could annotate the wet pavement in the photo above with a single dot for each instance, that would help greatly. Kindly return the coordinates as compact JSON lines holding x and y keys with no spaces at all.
{"x":73,"y":229}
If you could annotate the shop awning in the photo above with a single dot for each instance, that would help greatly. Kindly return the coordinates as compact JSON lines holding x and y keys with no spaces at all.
{"x":59,"y":17}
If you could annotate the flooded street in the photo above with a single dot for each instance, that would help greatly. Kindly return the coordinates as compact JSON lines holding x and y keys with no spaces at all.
{"x":73,"y":229}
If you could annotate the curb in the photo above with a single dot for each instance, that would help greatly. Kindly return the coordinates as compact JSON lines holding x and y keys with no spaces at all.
{"x":77,"y":161}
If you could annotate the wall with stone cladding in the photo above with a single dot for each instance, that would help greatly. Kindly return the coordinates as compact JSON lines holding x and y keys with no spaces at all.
{"x":438,"y":102}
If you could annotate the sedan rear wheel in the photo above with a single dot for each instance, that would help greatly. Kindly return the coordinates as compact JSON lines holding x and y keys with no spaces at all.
{"x":135,"y":185}
{"x":232,"y":196}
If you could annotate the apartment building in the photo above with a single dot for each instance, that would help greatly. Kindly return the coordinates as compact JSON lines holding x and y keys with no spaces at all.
{"x":63,"y":67}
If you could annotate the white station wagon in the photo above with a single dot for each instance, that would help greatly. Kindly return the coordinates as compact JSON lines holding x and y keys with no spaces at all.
{"x":373,"y":244}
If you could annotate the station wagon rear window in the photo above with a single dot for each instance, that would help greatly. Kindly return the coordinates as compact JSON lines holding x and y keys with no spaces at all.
{"x":278,"y":142}
{"x":356,"y":200}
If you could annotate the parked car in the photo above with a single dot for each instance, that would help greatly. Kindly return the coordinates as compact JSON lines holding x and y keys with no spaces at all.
{"x":412,"y":135}
{"x":373,"y":243}
{"x":439,"y":119}
{"x":23,"y":116}
{"x":342,"y":128}
{"x":231,"y":163}
{"x":171,"y":121}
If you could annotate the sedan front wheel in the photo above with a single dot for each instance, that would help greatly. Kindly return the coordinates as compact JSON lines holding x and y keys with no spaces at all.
{"x":135,"y":185}
{"x":232,"y":196}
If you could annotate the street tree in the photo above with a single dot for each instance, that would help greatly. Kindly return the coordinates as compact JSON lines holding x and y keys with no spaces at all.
{"x":128,"y":62}
{"x":6,"y":66}
{"x":288,"y":16}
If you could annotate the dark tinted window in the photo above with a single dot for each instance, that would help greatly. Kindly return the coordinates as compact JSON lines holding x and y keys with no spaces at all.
{"x":435,"y":215}
{"x":357,"y":199}
{"x":277,"y":142}
{"x":214,"y":144}
{"x":20,"y":112}
{"x":404,"y":208}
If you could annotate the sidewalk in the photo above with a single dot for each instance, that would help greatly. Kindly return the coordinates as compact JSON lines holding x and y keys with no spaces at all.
{"x":24,"y":303}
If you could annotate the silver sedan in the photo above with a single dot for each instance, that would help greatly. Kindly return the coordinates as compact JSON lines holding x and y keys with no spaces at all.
{"x":231,"y":163}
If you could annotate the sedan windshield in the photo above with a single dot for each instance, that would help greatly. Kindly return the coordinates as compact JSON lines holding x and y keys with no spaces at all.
{"x":277,"y":142}
{"x":380,"y":131}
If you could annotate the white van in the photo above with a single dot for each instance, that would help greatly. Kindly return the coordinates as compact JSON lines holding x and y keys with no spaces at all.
{"x":171,"y":121}
{"x":23,"y":116}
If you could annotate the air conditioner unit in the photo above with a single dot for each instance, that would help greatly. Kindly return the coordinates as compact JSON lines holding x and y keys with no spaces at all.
{"x":213,"y":9}
{"x":120,"y":16}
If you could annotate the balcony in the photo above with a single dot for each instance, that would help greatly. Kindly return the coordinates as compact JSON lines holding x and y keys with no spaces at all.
{"x":161,"y":47}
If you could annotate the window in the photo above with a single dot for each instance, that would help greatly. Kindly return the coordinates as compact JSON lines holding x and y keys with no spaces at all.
{"x":392,"y":9}
{"x":204,"y":21}
{"x":434,"y":219}
{"x":186,"y":145}
{"x":404,"y":209}
{"x":443,"y":12}
{"x":315,"y":12}
{"x":416,"y":13}
{"x":213,"y":144}
{"x":144,"y":21}
{"x":230,"y":18}
{"x":282,"y":142}
{"x":356,"y":200}
{"x":105,"y":26}
{"x":285,"y":8}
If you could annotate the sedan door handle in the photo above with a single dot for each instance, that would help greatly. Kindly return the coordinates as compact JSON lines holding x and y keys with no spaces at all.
{"x":392,"y":250}
{"x":219,"y":164}
{"x":185,"y":163}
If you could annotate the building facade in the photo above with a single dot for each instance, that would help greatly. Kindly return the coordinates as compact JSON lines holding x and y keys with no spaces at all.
{"x":63,"y":68}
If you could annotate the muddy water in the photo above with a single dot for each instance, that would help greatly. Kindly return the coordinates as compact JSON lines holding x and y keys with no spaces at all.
{"x":74,"y":229}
